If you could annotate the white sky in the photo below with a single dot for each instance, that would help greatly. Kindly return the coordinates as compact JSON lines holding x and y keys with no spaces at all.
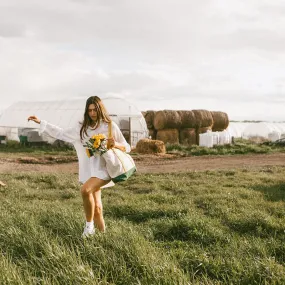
{"x":224,"y":55}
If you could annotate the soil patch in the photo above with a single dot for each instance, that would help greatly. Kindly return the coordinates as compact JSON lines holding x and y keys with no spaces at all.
{"x":147,"y":163}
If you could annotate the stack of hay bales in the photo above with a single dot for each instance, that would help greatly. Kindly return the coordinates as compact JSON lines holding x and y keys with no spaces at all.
{"x":167,"y":123}
{"x":187,"y":133}
{"x":204,"y":122}
{"x":150,"y":146}
{"x":184,"y":126}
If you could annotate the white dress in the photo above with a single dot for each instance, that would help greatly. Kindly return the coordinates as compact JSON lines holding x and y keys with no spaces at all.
{"x":88,"y":167}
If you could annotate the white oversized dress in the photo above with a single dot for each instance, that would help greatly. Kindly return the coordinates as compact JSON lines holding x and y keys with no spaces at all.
{"x":94,"y":166}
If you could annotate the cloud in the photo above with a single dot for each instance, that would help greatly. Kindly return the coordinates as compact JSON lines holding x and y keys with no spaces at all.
{"x":161,"y":54}
{"x":10,"y":30}
{"x":259,"y":39}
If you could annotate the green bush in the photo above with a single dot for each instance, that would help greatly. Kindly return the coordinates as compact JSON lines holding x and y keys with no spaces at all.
{"x":12,"y":144}
{"x":15,"y":146}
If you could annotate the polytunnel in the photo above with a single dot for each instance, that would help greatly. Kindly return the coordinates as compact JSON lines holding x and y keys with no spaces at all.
{"x":270,"y":131}
{"x":236,"y":129}
{"x":66,"y":113}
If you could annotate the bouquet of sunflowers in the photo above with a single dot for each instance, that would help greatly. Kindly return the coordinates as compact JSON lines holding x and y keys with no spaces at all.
{"x":97,"y":144}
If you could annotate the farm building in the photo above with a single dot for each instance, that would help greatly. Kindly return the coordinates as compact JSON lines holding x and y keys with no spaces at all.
{"x":66,"y":113}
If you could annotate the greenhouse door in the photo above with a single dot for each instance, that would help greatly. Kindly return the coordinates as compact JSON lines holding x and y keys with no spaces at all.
{"x":124,"y":124}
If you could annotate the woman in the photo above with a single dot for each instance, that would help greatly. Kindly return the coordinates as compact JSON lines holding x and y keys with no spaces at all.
{"x":92,"y":171}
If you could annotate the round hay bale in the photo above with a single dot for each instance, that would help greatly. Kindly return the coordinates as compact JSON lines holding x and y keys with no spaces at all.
{"x":167,"y":119}
{"x":149,"y":117}
{"x":201,"y":131}
{"x":187,"y":136}
{"x":221,"y":121}
{"x":203,"y":118}
{"x":150,"y":146}
{"x":168,"y":136}
{"x":188,"y":119}
{"x":152,"y":133}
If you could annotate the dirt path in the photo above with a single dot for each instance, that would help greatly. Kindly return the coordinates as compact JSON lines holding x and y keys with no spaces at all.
{"x":200,"y":163}
{"x":159,"y":164}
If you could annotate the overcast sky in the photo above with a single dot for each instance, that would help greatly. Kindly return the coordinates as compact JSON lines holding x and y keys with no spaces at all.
{"x":223,"y":55}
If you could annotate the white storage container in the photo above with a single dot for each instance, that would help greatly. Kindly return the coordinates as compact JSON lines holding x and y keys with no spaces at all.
{"x":206,"y":140}
{"x":224,"y":138}
{"x":216,"y":137}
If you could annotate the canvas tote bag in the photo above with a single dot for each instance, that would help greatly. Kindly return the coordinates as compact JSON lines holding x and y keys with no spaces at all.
{"x":119,"y":164}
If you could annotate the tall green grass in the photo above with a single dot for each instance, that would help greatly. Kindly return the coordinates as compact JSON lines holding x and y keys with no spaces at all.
{"x":41,"y":149}
{"x":212,"y":227}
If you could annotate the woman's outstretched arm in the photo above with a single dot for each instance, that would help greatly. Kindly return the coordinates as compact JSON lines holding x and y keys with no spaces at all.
{"x":68,"y":135}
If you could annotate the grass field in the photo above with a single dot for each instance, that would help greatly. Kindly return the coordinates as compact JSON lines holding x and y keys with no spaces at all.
{"x":212,"y":227}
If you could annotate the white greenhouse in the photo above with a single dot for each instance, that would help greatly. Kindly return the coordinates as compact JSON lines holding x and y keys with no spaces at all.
{"x":236,"y":129}
{"x":66,"y":113}
{"x":270,"y":131}
{"x":246,"y":130}
{"x":265,"y":130}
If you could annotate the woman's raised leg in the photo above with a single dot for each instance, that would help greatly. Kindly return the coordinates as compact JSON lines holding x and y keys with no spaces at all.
{"x":90,"y":187}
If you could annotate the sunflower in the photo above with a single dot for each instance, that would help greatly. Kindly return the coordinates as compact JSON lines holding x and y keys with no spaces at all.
{"x":96,"y":145}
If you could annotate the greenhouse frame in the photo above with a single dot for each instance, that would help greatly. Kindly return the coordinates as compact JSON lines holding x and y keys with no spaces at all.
{"x":65,"y":114}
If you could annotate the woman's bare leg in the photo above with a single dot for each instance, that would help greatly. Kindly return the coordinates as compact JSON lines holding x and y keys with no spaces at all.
{"x":92,"y":185}
{"x":98,"y":212}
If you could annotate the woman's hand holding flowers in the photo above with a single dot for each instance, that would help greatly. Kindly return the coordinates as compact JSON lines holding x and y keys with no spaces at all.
{"x":97,"y":144}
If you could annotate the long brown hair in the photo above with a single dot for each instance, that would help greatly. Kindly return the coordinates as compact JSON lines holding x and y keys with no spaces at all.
{"x":102,"y":115}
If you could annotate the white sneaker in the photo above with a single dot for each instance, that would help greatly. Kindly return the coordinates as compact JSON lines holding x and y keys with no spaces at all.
{"x":88,"y":231}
